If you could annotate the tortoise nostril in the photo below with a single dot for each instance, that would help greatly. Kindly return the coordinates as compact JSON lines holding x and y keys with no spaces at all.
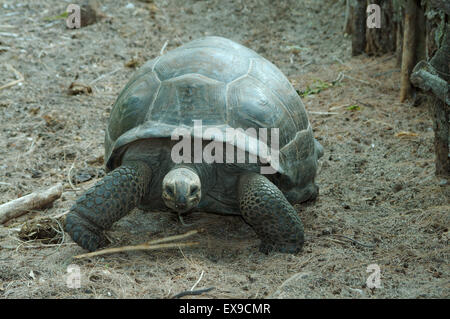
{"x":194,"y":190}
{"x":170,"y":190}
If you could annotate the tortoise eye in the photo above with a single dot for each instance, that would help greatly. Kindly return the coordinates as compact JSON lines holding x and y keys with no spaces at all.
{"x":194,"y":189}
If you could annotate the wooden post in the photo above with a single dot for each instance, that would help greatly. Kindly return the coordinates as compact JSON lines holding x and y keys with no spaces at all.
{"x":434,"y":76}
{"x":359,"y":27}
{"x":408,"y":50}
{"x":348,"y":18}
{"x":382,"y":40}
{"x":420,"y":35}
{"x":441,"y":108}
{"x":399,"y":43}
{"x":441,"y":136}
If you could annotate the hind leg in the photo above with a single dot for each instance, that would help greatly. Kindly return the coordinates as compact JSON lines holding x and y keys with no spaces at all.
{"x":272,"y":217}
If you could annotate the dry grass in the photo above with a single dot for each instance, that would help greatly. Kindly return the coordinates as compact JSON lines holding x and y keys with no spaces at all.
{"x":376,"y":186}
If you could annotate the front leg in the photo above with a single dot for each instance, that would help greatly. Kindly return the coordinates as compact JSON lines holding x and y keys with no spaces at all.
{"x":106,"y":202}
{"x":266,"y":209}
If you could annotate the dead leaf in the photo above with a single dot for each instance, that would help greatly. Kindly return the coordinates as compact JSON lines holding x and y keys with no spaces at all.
{"x":76,"y":88}
{"x":133,"y":63}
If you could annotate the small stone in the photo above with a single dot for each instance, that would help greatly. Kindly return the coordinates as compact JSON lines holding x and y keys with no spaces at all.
{"x":36,"y":173}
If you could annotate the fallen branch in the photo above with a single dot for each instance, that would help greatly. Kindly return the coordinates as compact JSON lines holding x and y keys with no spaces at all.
{"x":151,"y":245}
{"x":22,"y":205}
{"x":426,"y":77}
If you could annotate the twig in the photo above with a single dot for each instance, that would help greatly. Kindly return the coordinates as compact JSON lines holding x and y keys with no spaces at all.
{"x":104,"y":75}
{"x":335,"y":58}
{"x":196,"y":283}
{"x":355,"y":241}
{"x":364,"y":103}
{"x":32,"y":148}
{"x":6,"y":184}
{"x":180,"y":218}
{"x":192,"y":292}
{"x":61,"y":214}
{"x":60,"y":231}
{"x":22,"y":245}
{"x":292,"y":278}
{"x":354,"y":79}
{"x":172,"y":238}
{"x":339,"y":78}
{"x":163,"y":47}
{"x":19,"y":76}
{"x":8,"y":34}
{"x":323,"y":113}
{"x":385,"y":73}
{"x":69,"y":178}
{"x":305,"y":64}
{"x":151,"y":245}
{"x":333,"y":108}
{"x":22,"y":205}
{"x":134,"y":248}
{"x":380,"y":122}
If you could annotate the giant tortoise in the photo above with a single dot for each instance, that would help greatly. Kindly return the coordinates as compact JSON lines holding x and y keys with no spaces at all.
{"x":225,"y":86}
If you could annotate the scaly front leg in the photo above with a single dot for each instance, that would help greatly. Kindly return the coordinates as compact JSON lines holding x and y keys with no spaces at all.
{"x":266,"y":209}
{"x":105,"y":203}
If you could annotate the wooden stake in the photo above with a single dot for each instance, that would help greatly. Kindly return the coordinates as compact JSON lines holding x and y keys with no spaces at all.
{"x":359,"y":27}
{"x":408,"y":50}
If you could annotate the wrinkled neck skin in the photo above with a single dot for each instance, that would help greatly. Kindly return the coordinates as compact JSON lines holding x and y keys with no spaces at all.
{"x":206,"y":173}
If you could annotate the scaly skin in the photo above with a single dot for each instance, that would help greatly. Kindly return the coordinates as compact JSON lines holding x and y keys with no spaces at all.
{"x":105,"y":203}
{"x":266,"y":209}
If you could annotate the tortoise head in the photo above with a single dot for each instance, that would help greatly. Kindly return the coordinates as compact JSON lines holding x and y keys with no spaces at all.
{"x":181,"y":189}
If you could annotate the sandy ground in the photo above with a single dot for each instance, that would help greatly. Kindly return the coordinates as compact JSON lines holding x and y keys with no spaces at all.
{"x":379,"y":201}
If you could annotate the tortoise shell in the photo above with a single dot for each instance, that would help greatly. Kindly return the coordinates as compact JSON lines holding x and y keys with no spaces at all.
{"x":223,"y":84}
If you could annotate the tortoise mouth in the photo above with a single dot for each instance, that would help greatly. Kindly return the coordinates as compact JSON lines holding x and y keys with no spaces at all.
{"x":182,"y":207}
